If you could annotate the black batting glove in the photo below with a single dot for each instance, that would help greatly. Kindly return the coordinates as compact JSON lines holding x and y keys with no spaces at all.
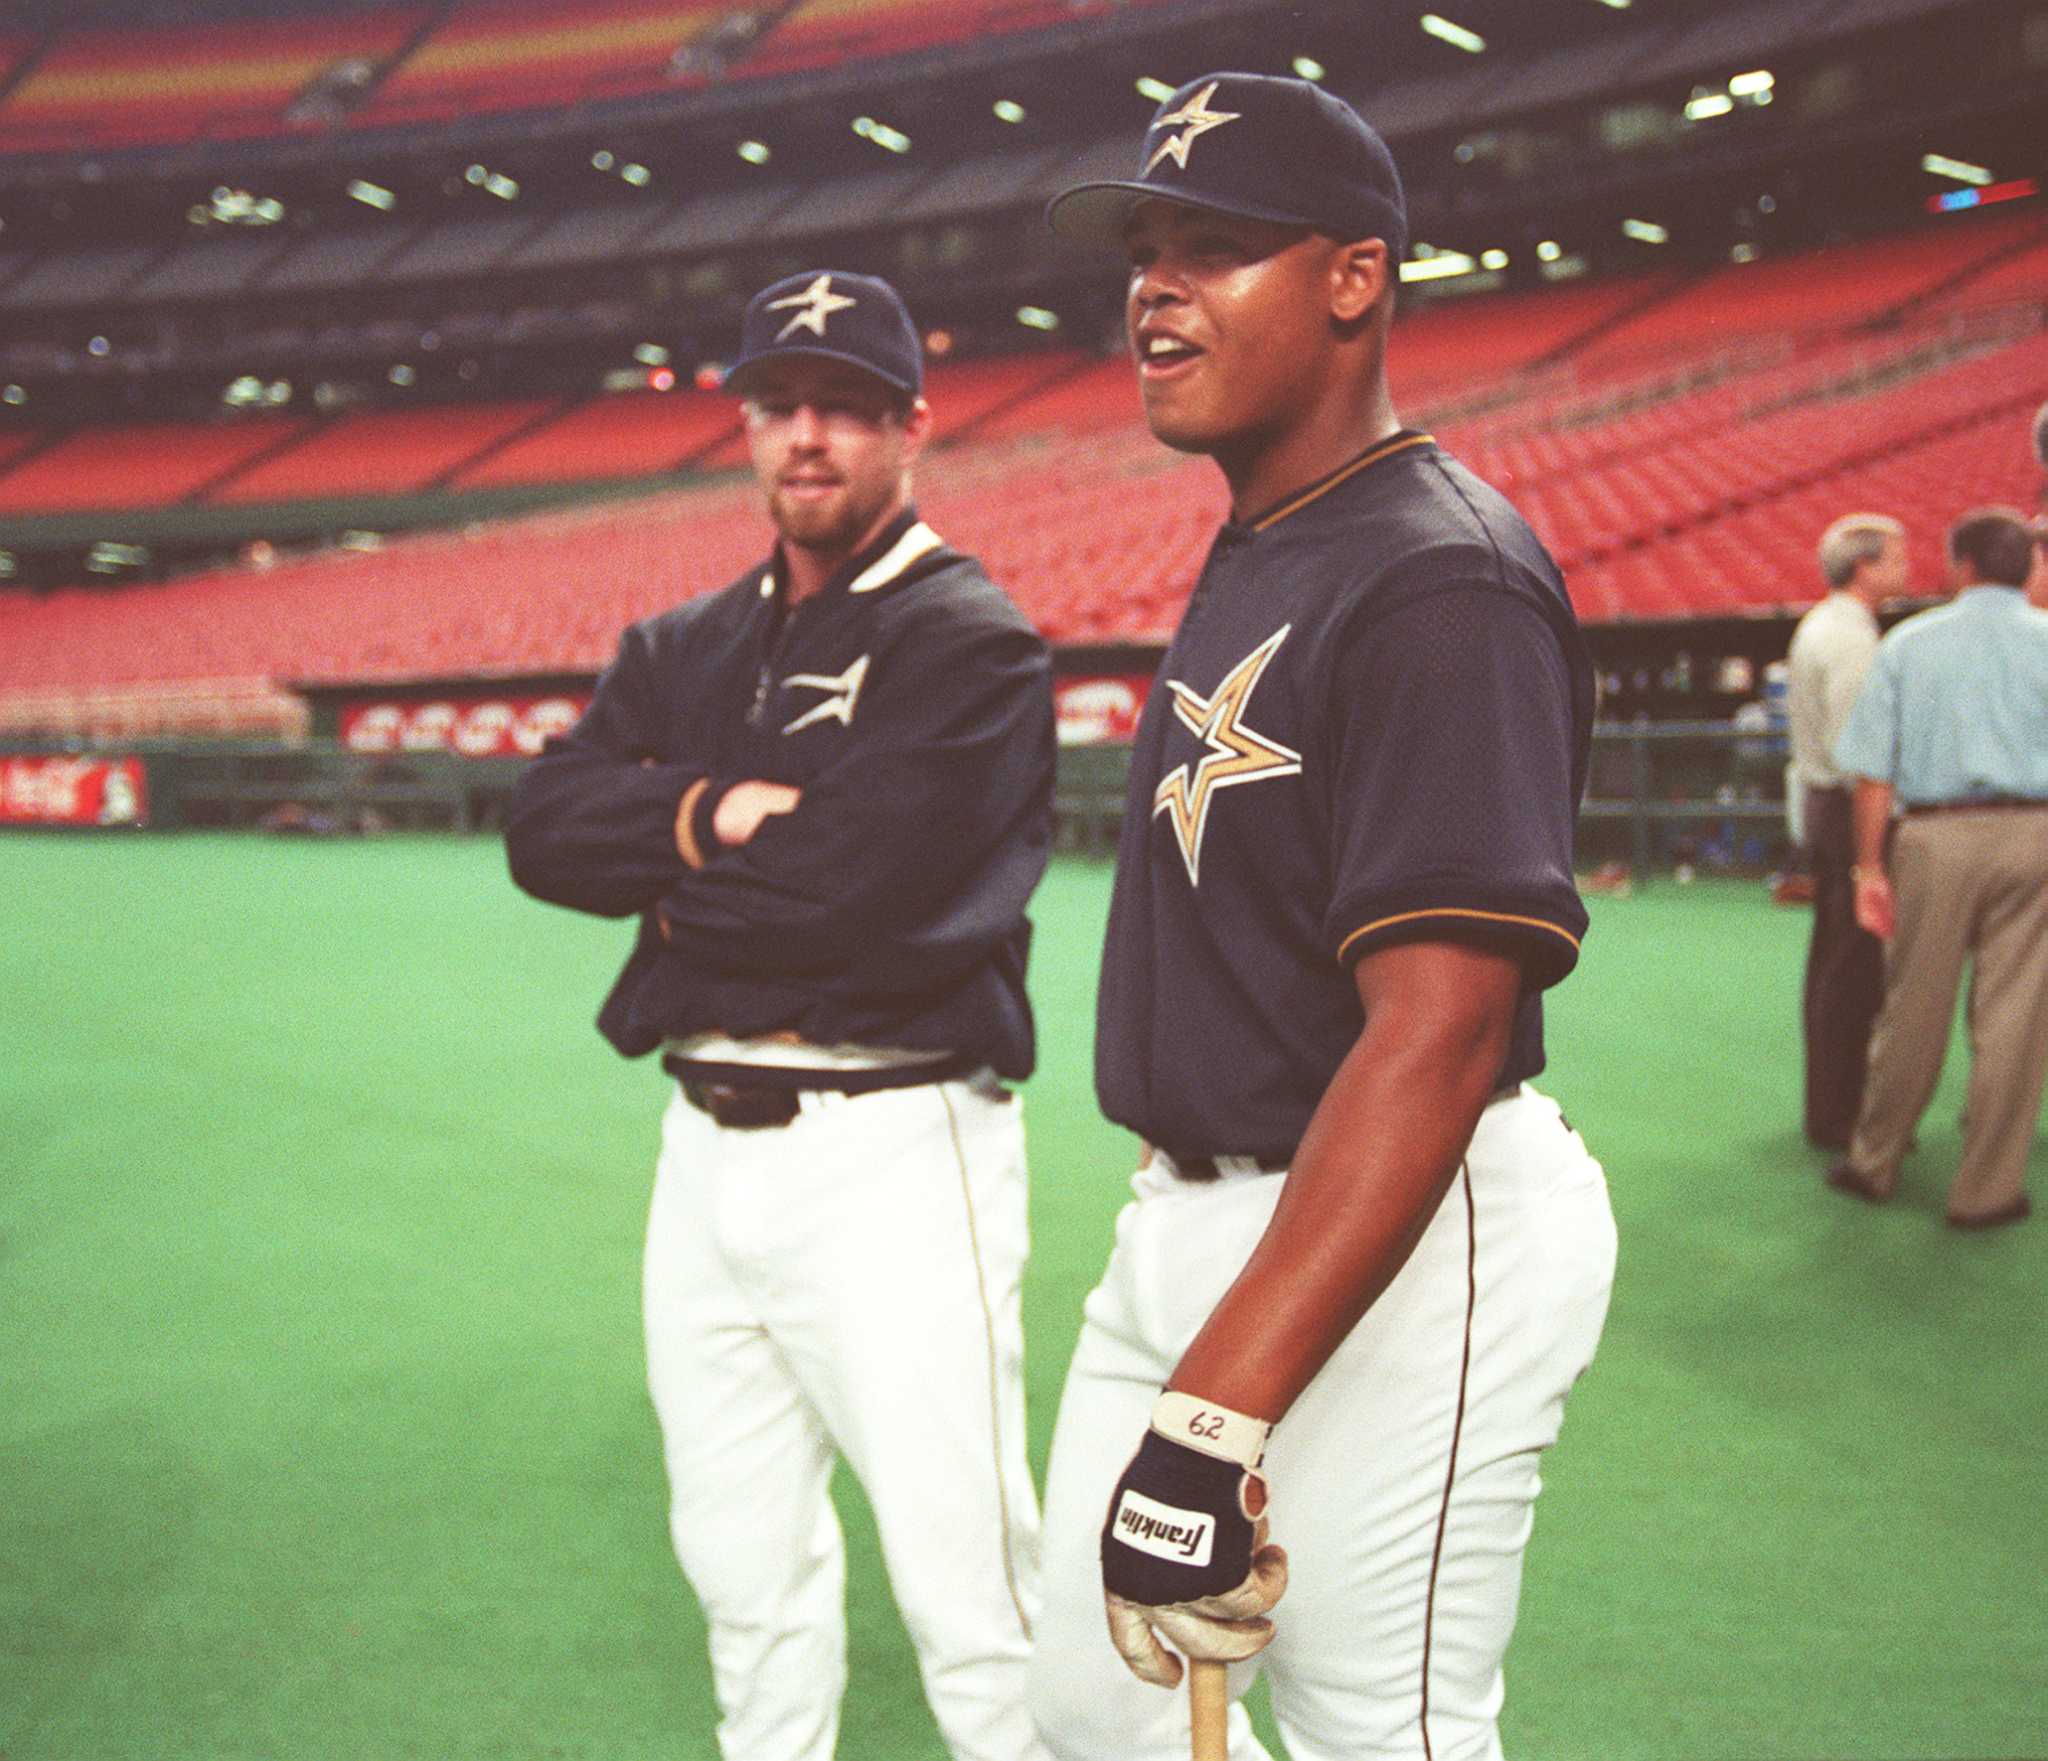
{"x":1184,"y":1551}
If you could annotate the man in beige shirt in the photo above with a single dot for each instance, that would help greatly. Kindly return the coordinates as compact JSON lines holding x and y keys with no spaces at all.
{"x":1863,"y":559}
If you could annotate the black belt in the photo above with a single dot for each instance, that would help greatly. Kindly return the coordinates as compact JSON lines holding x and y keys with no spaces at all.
{"x":1997,"y":803}
{"x":1205,"y":1168}
{"x":1210,"y":1167}
{"x":743,"y":1098}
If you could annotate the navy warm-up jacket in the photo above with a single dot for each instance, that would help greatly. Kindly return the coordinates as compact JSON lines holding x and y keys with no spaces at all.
{"x":910,"y":701}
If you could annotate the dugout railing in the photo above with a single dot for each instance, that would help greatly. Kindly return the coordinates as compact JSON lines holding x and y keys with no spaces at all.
{"x":1662,"y":796}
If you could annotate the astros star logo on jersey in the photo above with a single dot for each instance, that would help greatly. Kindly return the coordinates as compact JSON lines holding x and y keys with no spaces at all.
{"x":1193,"y":119}
{"x":1236,"y":753}
{"x":818,"y":301}
{"x":842,"y":691}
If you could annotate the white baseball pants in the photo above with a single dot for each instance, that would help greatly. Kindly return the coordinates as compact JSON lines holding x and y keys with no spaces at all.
{"x":849,"y":1281}
{"x":1403,"y":1481}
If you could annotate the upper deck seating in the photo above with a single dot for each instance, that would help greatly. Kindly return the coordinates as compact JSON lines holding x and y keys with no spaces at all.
{"x":101,"y":86}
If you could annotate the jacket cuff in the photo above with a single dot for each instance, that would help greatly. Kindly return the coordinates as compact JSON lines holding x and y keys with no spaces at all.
{"x":696,"y":837}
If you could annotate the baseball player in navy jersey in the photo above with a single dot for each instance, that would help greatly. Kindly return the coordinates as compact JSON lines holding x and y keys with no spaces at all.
{"x":825,"y":792}
{"x":1365,"y":1260}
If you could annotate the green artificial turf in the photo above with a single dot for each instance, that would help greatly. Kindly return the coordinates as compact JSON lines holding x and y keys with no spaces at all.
{"x":323,"y":1435}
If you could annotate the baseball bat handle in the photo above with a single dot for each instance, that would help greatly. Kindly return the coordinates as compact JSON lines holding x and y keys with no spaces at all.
{"x":1208,"y":1710}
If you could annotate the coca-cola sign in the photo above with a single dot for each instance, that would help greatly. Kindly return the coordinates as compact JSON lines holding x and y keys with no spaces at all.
{"x":1099,"y":710}
{"x":475,"y":727}
{"x":73,"y":791}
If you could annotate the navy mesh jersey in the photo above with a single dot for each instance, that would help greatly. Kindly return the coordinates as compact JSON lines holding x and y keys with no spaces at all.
{"x":1372,"y":725}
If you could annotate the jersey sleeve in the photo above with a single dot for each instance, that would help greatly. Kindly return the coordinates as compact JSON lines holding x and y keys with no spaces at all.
{"x":953,"y":765}
{"x":592,"y":823}
{"x":1454,"y":794}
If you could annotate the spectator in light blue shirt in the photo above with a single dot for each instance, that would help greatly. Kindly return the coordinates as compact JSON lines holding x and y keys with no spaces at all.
{"x":1950,"y":733}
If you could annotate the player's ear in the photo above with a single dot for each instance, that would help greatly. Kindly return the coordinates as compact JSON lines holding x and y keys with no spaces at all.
{"x":1359,"y":273}
{"x":917,"y":423}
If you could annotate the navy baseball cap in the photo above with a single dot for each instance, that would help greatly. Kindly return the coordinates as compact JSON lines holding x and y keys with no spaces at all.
{"x":831,"y":315}
{"x":1259,"y":146}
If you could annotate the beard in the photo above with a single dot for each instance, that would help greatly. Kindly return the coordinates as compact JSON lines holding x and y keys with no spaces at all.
{"x":835,"y":522}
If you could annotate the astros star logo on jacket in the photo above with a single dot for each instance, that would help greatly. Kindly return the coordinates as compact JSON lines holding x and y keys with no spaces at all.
{"x":1236,"y":752}
{"x":842,"y":692}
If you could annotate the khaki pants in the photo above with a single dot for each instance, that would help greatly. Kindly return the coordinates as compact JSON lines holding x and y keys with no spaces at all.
{"x":1971,"y":886}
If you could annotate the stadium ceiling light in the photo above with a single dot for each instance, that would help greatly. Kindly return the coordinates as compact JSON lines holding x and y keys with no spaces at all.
{"x":99,"y":348}
{"x":1648,"y":231}
{"x":6,"y":565}
{"x":233,"y":207}
{"x":892,"y":139}
{"x":1434,"y":24}
{"x":501,"y":186}
{"x":602,"y":160}
{"x":14,"y":394}
{"x":1037,"y":318}
{"x":476,"y":175}
{"x":754,"y":152}
{"x":1308,"y":67}
{"x":1742,"y":252}
{"x":1549,"y":251}
{"x":1752,"y":85}
{"x":1155,"y":89}
{"x":1618,"y":5}
{"x":1959,"y":169}
{"x":651,"y":354}
{"x":1008,"y":110}
{"x":1494,"y":259}
{"x":1438,"y":266}
{"x":401,"y":374}
{"x":636,"y":174}
{"x":373,"y":195}
{"x":1703,"y":105}
{"x":106,"y":556}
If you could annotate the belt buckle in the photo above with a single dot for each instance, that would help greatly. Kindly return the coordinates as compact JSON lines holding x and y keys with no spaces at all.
{"x":744,"y":1109}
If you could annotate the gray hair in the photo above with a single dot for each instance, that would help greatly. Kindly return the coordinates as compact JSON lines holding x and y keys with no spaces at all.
{"x":1852,"y":541}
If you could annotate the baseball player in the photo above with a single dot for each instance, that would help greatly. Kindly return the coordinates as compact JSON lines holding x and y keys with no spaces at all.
{"x":1365,"y":1258}
{"x":826,"y":794}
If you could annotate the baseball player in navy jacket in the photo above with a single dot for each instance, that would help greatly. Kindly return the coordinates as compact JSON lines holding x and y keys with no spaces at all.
{"x":825,"y":792}
{"x":1365,"y":1258}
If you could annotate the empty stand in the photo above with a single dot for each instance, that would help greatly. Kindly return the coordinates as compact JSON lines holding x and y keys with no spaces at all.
{"x":966,"y":394}
{"x":1813,"y":293}
{"x":1676,"y":490}
{"x":170,"y":83}
{"x":1096,"y":397}
{"x":630,"y":434}
{"x":2018,"y":273}
{"x":1473,"y":342}
{"x":822,"y":33}
{"x":149,"y":465}
{"x":527,"y":54}
{"x":388,"y":452}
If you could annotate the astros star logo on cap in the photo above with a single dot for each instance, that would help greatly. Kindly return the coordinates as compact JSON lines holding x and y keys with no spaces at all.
{"x":818,"y":301}
{"x":1193,"y":118}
